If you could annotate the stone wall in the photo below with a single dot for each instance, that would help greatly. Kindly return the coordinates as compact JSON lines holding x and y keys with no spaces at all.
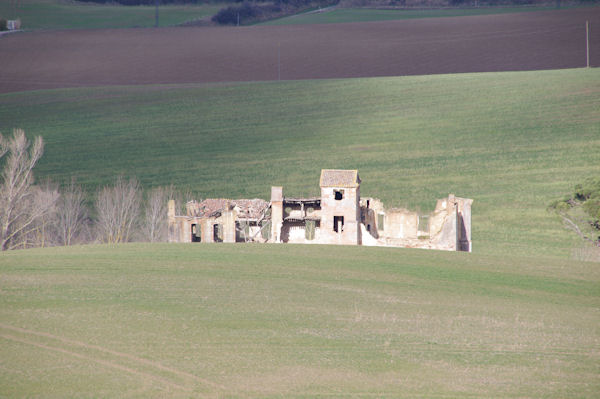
{"x":401,"y":224}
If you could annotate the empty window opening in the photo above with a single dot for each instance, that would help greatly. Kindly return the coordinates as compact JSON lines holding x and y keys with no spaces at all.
{"x":380,"y":219}
{"x":338,"y":224}
{"x":242,"y":231}
{"x":423,"y":223}
{"x":339,"y":194}
{"x":368,"y":203}
{"x":196,"y":237}
{"x":266,"y":230}
{"x":217,"y":233}
{"x":368,"y":227}
{"x":309,"y":230}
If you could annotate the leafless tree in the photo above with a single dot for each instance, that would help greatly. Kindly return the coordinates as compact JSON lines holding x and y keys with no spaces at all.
{"x":21,"y":205}
{"x":71,"y":214}
{"x":3,"y":146}
{"x":43,"y":231}
{"x":155,"y":216}
{"x":118,"y":209}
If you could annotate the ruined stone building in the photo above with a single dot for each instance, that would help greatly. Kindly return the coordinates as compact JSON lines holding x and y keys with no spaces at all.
{"x":338,"y":216}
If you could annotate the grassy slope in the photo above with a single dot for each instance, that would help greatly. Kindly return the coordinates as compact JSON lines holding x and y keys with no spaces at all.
{"x":57,"y":14}
{"x":295,"y":321}
{"x":341,"y":15}
{"x":510,"y":141}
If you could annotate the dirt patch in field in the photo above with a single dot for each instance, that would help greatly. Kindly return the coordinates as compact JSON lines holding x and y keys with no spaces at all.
{"x":527,"y":41}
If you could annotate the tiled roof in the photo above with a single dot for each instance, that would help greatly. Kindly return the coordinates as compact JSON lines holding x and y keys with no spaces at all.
{"x":339,"y":178}
{"x":212,"y":207}
{"x":250,"y":208}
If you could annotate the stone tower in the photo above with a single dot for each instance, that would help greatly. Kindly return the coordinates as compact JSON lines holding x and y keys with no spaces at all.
{"x":340,"y":207}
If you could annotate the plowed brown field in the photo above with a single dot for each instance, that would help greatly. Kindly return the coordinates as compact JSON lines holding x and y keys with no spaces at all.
{"x":527,"y":41}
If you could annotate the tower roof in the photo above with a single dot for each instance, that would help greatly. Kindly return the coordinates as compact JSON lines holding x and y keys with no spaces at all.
{"x":339,"y":178}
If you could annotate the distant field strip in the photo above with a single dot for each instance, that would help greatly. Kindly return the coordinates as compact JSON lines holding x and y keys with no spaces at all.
{"x":60,"y":14}
{"x":115,"y":363}
{"x":508,"y":42}
{"x":346,"y":15}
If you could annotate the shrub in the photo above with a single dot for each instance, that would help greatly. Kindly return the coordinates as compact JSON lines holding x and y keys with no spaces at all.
{"x":247,"y":13}
{"x":229,"y":15}
{"x":258,"y":11}
{"x":581,"y":210}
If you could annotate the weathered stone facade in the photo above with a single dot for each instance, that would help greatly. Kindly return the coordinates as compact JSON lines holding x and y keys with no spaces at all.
{"x":338,"y":216}
{"x":218,"y":220}
{"x":340,"y":207}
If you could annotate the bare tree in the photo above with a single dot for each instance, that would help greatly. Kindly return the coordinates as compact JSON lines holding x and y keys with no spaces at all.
{"x":155,"y":216}
{"x":118,"y":209}
{"x":3,"y":146}
{"x":71,"y":214}
{"x":21,"y":206}
{"x":43,"y":232}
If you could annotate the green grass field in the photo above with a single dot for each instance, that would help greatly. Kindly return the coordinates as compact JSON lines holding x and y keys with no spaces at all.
{"x":272,"y":321}
{"x":341,"y":15}
{"x":511,"y":141}
{"x":63,"y":14}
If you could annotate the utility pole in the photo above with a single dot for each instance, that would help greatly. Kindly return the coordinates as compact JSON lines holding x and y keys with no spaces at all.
{"x":279,"y":61}
{"x":587,"y":42}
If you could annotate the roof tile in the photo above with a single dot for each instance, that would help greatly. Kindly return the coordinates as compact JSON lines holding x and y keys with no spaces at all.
{"x":339,"y":178}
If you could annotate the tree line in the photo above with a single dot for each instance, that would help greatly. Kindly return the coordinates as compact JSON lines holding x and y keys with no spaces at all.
{"x":40,"y":215}
{"x":151,"y":2}
{"x":244,"y":12}
{"x":392,"y":3}
{"x":249,"y":12}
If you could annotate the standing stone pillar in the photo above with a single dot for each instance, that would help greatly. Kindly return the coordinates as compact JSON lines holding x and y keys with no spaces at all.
{"x":172,"y":225}
{"x":276,"y":213}
{"x":228,"y":217}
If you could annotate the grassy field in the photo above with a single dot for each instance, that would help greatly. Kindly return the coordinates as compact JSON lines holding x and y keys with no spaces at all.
{"x":511,"y":141}
{"x":266,"y":321}
{"x":341,"y":15}
{"x":64,"y":14}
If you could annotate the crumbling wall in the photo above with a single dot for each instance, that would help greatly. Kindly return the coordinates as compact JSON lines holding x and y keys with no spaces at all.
{"x":295,"y":232}
{"x":401,"y":223}
{"x":464,"y":224}
{"x":368,"y":239}
{"x":179,"y":228}
{"x":339,"y":216}
{"x":371,"y":211}
{"x":450,"y":225}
